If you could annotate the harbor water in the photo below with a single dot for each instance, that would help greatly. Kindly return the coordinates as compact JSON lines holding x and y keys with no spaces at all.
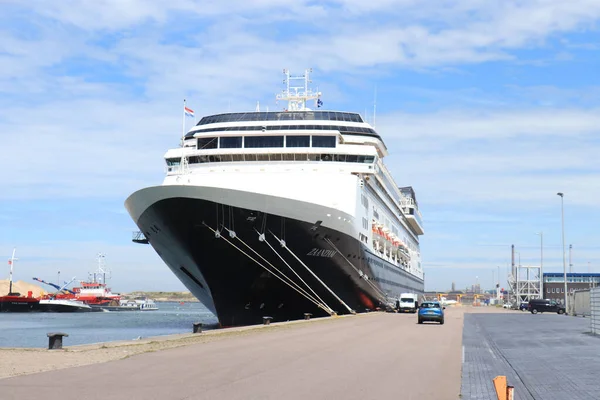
{"x":30,"y":329}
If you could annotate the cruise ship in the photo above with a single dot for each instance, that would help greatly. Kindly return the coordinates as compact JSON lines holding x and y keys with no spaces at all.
{"x":283,"y":213}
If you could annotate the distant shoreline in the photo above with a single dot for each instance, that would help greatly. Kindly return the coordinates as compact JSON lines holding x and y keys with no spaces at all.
{"x":163,"y":297}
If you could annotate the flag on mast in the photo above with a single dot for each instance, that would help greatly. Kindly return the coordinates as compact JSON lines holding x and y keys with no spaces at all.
{"x":188,"y":111}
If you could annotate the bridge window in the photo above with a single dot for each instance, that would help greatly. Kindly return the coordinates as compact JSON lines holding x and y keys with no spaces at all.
{"x":263,"y":141}
{"x":207,"y":143}
{"x":230,"y":142}
{"x":323,"y":141}
{"x":297,"y":141}
{"x":200,"y":159}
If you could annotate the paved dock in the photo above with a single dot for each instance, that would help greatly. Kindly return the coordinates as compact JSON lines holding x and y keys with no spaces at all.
{"x":544,"y":356}
{"x":378,"y":355}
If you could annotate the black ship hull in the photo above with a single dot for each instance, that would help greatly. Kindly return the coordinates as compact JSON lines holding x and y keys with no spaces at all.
{"x":222,"y":270}
{"x":18,"y":304}
{"x":62,"y":308}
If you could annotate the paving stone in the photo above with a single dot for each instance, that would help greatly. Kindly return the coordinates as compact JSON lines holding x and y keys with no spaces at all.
{"x":544,"y":356}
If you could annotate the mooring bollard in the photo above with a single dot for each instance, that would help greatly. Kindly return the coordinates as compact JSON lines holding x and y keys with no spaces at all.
{"x":55,"y":340}
{"x":197,"y":327}
{"x":267,"y":320}
{"x":307,"y":315}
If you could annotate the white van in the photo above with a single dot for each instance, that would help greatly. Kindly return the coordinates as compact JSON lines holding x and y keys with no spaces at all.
{"x":409,"y":302}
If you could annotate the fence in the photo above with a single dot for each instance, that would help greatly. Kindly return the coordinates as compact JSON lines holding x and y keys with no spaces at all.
{"x":579,"y":303}
{"x":595,"y":310}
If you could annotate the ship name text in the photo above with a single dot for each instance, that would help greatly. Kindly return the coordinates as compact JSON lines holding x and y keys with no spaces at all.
{"x":315,"y":252}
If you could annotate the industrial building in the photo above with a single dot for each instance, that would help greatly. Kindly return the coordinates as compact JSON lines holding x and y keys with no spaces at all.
{"x":554,"y":283}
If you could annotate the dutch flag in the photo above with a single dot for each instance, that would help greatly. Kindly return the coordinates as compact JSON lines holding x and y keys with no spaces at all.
{"x":188,"y":111}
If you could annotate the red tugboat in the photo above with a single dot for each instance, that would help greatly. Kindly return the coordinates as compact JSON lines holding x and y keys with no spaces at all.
{"x":95,"y":292}
{"x":14,"y":302}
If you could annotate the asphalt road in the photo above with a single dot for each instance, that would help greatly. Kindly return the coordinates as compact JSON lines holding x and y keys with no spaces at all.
{"x":374,"y":356}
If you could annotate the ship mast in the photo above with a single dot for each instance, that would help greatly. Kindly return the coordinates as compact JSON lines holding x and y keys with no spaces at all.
{"x":296,"y":96}
{"x":11,"y":262}
{"x":101,"y":269}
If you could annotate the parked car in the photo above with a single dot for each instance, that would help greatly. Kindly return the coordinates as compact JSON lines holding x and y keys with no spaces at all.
{"x":431,"y":311}
{"x":545,"y":305}
{"x":524,"y":306}
{"x":506,"y":305}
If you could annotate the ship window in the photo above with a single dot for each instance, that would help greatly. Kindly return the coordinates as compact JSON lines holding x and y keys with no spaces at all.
{"x":198,"y":159}
{"x":281,"y":116}
{"x":365,"y":159}
{"x":230,"y":142}
{"x":297,"y":141}
{"x":207,"y":143}
{"x":263,"y":141}
{"x":323,"y":141}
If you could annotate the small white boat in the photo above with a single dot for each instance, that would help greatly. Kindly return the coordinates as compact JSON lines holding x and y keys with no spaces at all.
{"x":139,"y":303}
{"x":63,"y":305}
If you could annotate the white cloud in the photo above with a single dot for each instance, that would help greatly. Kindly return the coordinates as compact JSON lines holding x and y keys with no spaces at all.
{"x":456,"y":125}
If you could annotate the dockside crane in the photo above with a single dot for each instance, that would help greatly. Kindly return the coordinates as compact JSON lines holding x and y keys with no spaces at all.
{"x":59,"y":288}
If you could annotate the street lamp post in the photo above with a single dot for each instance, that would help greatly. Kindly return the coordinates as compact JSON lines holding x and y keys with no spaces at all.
{"x":562,"y":213}
{"x":498,"y":285}
{"x":541,"y":234}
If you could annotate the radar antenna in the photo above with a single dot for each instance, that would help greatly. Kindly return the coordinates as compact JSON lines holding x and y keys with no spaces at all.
{"x":296,"y":96}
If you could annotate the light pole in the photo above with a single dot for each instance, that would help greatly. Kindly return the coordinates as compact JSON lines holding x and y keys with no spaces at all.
{"x":541,"y":234}
{"x":570,"y":259}
{"x":562,"y":213}
{"x":517,"y":270}
{"x":590,"y":274}
{"x":498,"y":285}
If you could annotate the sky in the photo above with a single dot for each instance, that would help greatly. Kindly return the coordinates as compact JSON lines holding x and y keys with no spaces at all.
{"x":488,"y":108}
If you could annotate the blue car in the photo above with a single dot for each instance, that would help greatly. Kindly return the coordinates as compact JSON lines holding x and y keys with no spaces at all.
{"x":431,"y":311}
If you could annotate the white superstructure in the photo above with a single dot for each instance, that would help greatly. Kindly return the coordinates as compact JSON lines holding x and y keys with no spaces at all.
{"x":341,"y":149}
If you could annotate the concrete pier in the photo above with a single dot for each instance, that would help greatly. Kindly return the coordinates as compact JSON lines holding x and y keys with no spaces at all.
{"x":376,"y":355}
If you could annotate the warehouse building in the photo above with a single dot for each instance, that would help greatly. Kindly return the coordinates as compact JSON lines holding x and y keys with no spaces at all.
{"x":554,"y":283}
